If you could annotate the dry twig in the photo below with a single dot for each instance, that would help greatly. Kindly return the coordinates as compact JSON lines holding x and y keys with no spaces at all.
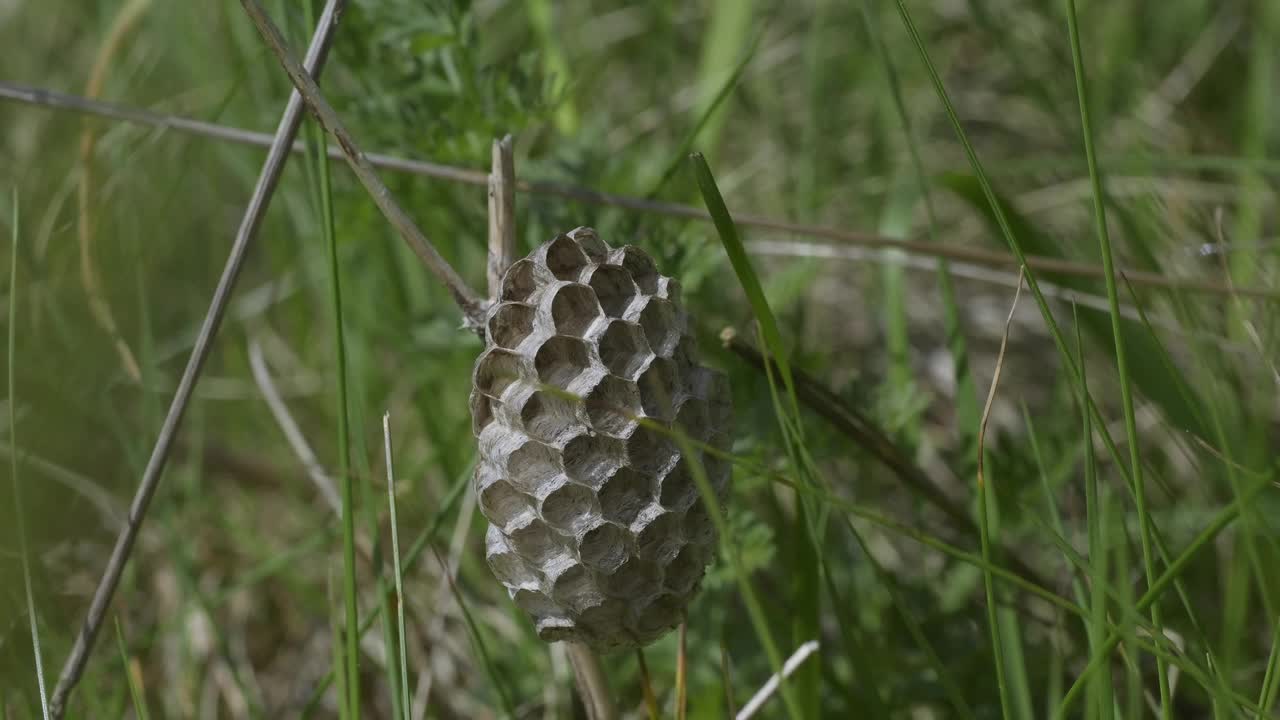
{"x":837,"y":236}
{"x":466,"y":299}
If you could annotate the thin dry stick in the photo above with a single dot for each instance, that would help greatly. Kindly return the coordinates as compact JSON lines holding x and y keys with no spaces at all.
{"x":502,"y":214}
{"x":592,"y":682}
{"x":980,"y":273}
{"x":646,"y":686}
{"x":292,"y":433}
{"x":770,"y":687}
{"x":995,"y":381}
{"x":471,"y":305}
{"x":271,"y":169}
{"x":125,"y":21}
{"x":682,"y":671}
{"x":995,"y":258}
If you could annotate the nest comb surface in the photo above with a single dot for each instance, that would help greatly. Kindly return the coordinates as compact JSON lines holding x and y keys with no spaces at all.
{"x":597,"y":526}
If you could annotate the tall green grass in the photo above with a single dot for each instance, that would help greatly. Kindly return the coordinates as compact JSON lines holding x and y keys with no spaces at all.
{"x":1132,"y":492}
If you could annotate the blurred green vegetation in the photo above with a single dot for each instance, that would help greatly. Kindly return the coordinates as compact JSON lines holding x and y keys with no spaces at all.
{"x":816,"y":112}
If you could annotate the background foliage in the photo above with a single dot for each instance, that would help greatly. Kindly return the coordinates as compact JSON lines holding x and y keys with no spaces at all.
{"x":818,"y":112}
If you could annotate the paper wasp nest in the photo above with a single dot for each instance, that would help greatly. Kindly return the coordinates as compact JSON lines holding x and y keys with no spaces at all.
{"x":597,"y":527}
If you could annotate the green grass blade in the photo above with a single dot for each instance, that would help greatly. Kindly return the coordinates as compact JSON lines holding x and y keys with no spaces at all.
{"x":420,"y":544}
{"x":339,"y":661}
{"x":477,"y":639}
{"x":323,"y":193}
{"x":398,"y":574}
{"x":741,"y":263}
{"x":1270,"y":685}
{"x":968,"y":411}
{"x":704,"y":119}
{"x":1158,"y":382}
{"x":1258,"y":128}
{"x":1101,"y":692}
{"x":135,"y":692}
{"x":954,"y":694}
{"x":20,"y":522}
{"x":1221,"y":520}
{"x":759,"y":620}
{"x":1113,"y":300}
{"x":722,"y":45}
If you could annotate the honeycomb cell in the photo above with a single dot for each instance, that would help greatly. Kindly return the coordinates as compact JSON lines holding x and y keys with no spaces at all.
{"x":533,"y":601}
{"x":718,"y":471}
{"x":561,"y":360}
{"x":605,"y":547}
{"x":565,"y":259}
{"x":604,"y":621}
{"x":482,"y":412}
{"x":510,"y":323}
{"x":638,"y":263}
{"x":573,"y":309}
{"x":574,"y":588}
{"x":660,"y":538}
{"x":613,"y":406}
{"x":548,"y":417}
{"x":522,"y":279}
{"x":613,"y":288}
{"x":650,"y":452}
{"x":633,"y":579}
{"x":698,"y":528}
{"x":661,"y":614}
{"x":677,"y":490}
{"x":661,"y":325}
{"x":686,"y":569}
{"x":590,"y":243}
{"x":496,"y":370}
{"x":534,"y":541}
{"x":691,"y":419}
{"x":589,"y":459}
{"x":658,"y":389}
{"x":623,"y":349}
{"x":569,"y":507}
{"x":624,"y":495}
{"x":532,"y":465}
{"x":685,"y":357}
{"x":669,"y":288}
{"x":501,"y":502}
{"x":556,"y":629}
{"x":509,"y":567}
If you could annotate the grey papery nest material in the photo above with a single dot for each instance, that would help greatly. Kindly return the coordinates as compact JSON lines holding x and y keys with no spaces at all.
{"x":597,"y":526}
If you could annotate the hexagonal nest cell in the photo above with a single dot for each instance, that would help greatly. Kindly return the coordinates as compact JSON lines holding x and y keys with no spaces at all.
{"x":596,"y":527}
{"x":623,"y":349}
{"x":614,"y":288}
{"x":564,"y":258}
{"x":509,"y":324}
{"x":661,"y":325}
{"x":561,"y":360}
{"x":613,"y":406}
{"x":574,"y":309}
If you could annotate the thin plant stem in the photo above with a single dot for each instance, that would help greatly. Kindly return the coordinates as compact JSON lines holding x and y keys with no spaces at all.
{"x":646,"y":687}
{"x":1126,"y":391}
{"x":592,"y":682}
{"x":20,"y":520}
{"x":395,"y":558}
